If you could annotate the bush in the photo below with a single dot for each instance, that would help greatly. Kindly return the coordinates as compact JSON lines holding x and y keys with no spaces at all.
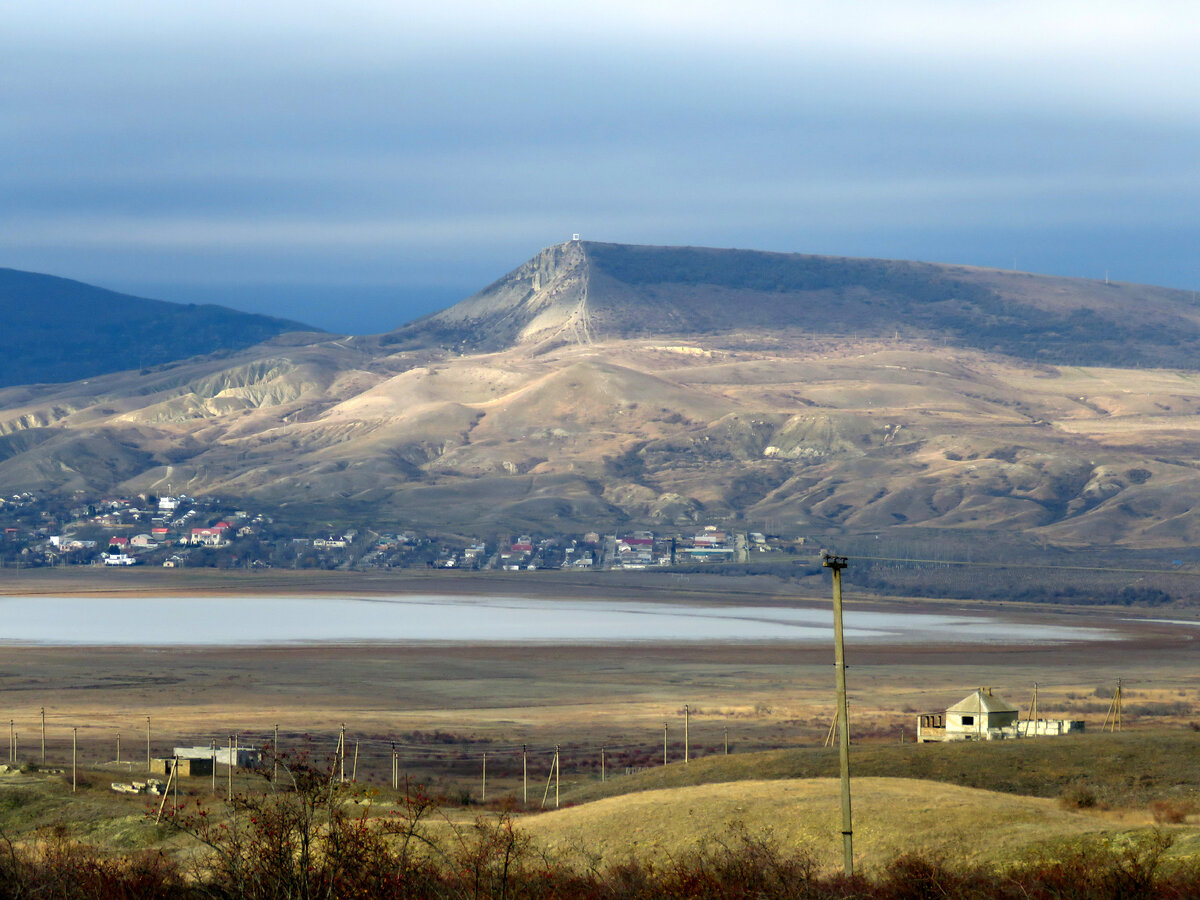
{"x":1171,"y":812}
{"x":1174,"y":708}
{"x":1078,"y":795}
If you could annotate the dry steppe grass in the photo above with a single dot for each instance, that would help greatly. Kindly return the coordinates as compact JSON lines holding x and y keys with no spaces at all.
{"x":893,"y":816}
{"x":1129,"y":770}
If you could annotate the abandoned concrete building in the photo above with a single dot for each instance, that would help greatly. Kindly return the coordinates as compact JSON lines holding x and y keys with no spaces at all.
{"x":241,"y":757}
{"x":187,"y":767}
{"x":982,"y":716}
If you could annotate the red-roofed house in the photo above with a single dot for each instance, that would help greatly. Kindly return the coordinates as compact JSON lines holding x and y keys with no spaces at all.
{"x":209,"y":537}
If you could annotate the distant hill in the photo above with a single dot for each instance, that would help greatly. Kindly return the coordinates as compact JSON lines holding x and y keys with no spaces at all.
{"x":601,"y":386}
{"x":582,"y":291}
{"x":58,"y":330}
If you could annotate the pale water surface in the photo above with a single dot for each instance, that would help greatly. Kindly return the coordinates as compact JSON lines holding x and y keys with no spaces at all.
{"x":208,"y":621}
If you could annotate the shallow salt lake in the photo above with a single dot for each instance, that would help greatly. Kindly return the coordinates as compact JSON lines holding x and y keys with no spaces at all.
{"x":250,"y":621}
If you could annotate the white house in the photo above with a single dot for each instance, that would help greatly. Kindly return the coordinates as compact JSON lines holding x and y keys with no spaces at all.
{"x":982,"y":716}
{"x":210,"y":537}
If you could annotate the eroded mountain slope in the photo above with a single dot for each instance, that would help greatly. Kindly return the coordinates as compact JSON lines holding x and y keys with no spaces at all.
{"x":573,"y":401}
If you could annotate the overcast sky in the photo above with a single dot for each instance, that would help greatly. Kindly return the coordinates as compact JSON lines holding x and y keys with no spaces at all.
{"x":359,"y":163}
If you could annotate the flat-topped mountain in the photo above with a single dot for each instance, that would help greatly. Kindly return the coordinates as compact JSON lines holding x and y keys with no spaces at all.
{"x":57,"y":330}
{"x":600,"y":386}
{"x":582,"y":292}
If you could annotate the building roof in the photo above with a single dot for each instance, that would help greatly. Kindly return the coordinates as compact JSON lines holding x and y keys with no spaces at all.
{"x":982,"y":701}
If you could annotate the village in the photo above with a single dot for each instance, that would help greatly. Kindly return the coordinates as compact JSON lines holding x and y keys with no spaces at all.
{"x":181,"y":531}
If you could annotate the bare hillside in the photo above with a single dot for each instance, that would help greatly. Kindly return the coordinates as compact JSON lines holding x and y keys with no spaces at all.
{"x":571,"y":401}
{"x":583,"y":292}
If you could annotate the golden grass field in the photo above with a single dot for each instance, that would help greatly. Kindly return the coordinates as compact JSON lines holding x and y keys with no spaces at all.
{"x":893,"y":816}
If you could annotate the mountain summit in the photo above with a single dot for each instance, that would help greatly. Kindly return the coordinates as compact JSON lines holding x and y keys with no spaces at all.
{"x":581,"y":292}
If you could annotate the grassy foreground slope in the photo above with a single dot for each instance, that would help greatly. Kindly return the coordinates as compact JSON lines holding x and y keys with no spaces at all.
{"x":1128,"y":770}
{"x":893,"y":816}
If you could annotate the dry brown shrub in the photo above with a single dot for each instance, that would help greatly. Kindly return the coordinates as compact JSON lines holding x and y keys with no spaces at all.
{"x":1171,"y":812}
{"x":1080,"y":795}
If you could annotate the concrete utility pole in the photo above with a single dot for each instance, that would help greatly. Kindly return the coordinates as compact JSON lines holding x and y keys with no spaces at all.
{"x":835,"y":564}
{"x":686,"y":731}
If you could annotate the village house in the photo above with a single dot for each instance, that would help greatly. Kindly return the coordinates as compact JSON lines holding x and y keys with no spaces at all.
{"x":710,"y":537}
{"x":982,"y":716}
{"x":639,"y":539}
{"x":209,"y":537}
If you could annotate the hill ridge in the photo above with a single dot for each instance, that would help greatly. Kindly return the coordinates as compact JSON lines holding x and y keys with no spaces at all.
{"x":599,"y":385}
{"x":61,"y":330}
{"x":584,"y":291}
